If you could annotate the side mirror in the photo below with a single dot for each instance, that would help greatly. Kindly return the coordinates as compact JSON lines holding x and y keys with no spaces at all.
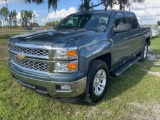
{"x":122,"y":28}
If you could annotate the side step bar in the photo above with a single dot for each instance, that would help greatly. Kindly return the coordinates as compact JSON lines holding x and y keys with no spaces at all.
{"x":124,"y":66}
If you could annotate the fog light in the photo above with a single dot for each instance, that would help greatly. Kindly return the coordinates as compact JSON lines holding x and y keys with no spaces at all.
{"x":65,"y":87}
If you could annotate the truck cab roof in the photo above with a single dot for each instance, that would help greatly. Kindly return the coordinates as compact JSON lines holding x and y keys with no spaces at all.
{"x":108,"y":12}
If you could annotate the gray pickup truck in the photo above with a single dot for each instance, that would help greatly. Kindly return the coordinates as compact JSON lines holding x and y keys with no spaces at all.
{"x":74,"y":61}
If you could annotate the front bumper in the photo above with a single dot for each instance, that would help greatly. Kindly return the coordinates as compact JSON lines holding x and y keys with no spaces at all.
{"x":49,"y":85}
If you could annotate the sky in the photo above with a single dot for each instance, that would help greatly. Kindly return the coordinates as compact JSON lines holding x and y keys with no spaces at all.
{"x":147,"y":13}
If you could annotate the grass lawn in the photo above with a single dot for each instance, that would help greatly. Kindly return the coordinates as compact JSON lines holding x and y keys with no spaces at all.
{"x":133,"y":95}
{"x":7,"y":33}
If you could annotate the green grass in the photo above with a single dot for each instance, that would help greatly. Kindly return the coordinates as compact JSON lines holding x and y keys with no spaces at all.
{"x":156,"y":45}
{"x":7,"y":33}
{"x":133,"y":86}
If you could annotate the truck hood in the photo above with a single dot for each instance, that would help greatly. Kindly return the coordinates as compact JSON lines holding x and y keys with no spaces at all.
{"x":51,"y":38}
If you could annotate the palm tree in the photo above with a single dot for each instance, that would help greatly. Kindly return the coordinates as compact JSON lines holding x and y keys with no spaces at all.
{"x":130,"y":2}
{"x":109,"y":3}
{"x":51,"y":3}
{"x":86,"y":4}
{"x":127,"y":3}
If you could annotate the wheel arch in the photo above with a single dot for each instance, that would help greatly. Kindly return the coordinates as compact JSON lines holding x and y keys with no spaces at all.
{"x":105,"y":57}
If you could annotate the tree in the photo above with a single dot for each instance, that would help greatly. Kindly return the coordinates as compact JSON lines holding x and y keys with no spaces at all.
{"x":12,"y":18}
{"x":127,"y":3}
{"x":27,"y":17}
{"x":88,"y":4}
{"x":8,"y":17}
{"x":0,"y":23}
{"x":14,"y":13}
{"x":109,"y":3}
{"x":34,"y":24}
{"x":52,"y":24}
{"x":4,"y":13}
{"x":51,"y":3}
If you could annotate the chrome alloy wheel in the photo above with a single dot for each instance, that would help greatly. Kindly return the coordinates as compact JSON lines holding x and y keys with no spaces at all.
{"x":99,"y":82}
{"x":145,"y":51}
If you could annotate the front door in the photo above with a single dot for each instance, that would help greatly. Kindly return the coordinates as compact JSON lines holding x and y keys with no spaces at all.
{"x":121,"y":43}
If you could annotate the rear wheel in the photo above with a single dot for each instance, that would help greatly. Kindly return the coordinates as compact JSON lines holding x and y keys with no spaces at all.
{"x":97,"y":81}
{"x":144,"y":52}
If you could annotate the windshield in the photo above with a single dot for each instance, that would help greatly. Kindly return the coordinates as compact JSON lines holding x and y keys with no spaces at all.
{"x":87,"y":21}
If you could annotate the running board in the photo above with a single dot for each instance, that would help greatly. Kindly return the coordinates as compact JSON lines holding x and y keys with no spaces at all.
{"x":124,"y":66}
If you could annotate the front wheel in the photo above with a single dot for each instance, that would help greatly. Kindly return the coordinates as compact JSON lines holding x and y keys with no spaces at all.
{"x":97,"y":81}
{"x":144,"y":52}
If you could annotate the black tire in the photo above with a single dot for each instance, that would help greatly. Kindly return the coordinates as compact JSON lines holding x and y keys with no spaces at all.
{"x":144,"y":54}
{"x":95,"y":66}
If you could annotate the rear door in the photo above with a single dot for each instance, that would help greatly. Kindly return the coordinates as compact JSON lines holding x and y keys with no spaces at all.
{"x":135,"y":34}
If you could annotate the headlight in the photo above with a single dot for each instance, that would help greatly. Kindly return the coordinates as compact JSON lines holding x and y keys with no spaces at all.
{"x":65,"y":53}
{"x":66,"y":66}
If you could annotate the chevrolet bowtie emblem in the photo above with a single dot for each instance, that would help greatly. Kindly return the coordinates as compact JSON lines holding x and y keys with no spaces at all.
{"x":20,"y":56}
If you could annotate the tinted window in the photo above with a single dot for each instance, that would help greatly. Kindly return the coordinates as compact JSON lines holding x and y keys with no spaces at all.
{"x":85,"y":21}
{"x":131,"y":18}
{"x":119,"y":19}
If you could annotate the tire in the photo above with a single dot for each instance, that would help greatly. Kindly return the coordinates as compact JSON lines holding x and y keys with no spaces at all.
{"x":144,"y":52}
{"x":96,"y":88}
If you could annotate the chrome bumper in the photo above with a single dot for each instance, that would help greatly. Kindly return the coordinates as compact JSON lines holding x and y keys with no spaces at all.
{"x":49,"y":87}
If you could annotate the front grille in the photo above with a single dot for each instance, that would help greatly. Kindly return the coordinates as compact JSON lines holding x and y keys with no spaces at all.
{"x":34,"y":65}
{"x":28,"y":51}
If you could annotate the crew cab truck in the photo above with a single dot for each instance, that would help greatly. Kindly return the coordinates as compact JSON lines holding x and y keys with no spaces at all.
{"x":74,"y":61}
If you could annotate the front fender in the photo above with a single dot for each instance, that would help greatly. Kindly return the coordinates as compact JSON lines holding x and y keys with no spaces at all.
{"x":92,"y":51}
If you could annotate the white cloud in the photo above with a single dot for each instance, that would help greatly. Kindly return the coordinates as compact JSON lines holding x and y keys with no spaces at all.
{"x":57,"y":15}
{"x":43,"y":21}
{"x":3,"y":3}
{"x":19,"y":15}
{"x":11,"y":1}
{"x":148,"y":12}
{"x":61,"y":13}
{"x":36,"y":14}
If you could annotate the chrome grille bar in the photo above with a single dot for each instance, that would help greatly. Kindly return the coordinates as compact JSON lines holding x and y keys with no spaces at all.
{"x":29,"y":64}
{"x":29,"y":52}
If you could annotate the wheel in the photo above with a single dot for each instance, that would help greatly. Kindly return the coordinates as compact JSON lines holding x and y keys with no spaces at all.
{"x":97,"y":81}
{"x":144,"y":52}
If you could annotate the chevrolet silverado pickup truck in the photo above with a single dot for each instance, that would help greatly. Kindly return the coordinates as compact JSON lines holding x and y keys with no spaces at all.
{"x":74,"y":61}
